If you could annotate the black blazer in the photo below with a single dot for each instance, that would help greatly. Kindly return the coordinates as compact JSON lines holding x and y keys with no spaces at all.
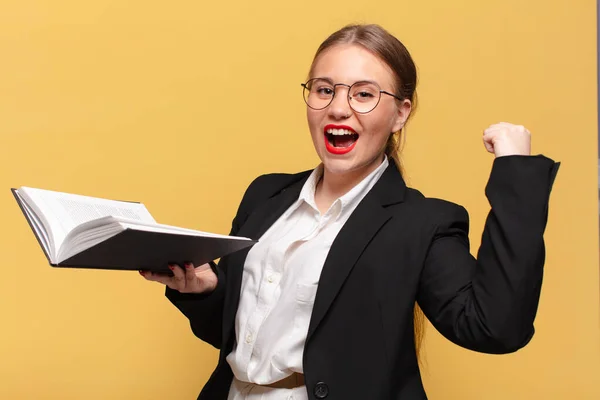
{"x":396,"y":248}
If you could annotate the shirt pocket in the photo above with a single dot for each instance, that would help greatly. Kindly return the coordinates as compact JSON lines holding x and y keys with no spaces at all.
{"x":305,"y":299}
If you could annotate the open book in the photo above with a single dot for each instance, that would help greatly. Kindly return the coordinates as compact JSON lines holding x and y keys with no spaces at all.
{"x":88,"y":232}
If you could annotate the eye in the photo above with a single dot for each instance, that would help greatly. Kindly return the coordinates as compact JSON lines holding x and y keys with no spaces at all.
{"x":364,"y":95}
{"x":326,"y":91}
{"x":364,"y":92}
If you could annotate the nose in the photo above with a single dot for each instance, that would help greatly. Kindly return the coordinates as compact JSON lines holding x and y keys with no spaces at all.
{"x":339,"y":107}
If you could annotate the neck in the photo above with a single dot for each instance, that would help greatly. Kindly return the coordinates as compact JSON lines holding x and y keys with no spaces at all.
{"x":334,"y":185}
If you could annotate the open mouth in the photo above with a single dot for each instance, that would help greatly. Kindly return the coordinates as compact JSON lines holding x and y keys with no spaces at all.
{"x":340,"y":139}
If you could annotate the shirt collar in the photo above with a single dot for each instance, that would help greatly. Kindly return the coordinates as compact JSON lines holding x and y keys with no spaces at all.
{"x":310,"y":186}
{"x":349,"y":200}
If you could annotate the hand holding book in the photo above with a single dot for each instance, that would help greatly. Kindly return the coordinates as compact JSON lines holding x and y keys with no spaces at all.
{"x":188,"y":279}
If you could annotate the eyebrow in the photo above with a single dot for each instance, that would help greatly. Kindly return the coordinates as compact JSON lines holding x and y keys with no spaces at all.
{"x":325,"y":78}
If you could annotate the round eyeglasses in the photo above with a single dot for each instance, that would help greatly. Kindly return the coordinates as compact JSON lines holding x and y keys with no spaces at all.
{"x":363,"y":96}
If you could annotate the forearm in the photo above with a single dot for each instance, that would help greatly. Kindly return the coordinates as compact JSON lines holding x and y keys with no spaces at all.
{"x":488,"y":304}
{"x":510,"y":260}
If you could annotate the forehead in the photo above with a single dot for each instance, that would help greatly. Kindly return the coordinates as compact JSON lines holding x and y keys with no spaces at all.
{"x":350,"y":63}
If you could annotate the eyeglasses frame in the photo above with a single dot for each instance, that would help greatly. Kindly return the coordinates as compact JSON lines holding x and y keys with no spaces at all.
{"x":305,"y":86}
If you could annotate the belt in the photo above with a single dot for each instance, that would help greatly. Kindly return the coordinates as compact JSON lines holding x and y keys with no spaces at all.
{"x":290,"y":382}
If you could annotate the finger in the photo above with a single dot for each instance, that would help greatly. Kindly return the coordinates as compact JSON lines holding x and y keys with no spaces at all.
{"x":190,"y":273}
{"x":494,"y":128}
{"x":149,"y":275}
{"x":490,"y":135}
{"x":488,"y":140}
{"x":192,"y":282}
{"x":514,"y":131}
{"x":178,"y":276}
{"x":157,"y":277}
{"x":202,"y":268}
{"x":489,"y":146}
{"x":505,"y":125}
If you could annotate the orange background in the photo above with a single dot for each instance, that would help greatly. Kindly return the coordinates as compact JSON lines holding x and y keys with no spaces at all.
{"x":181,"y":104}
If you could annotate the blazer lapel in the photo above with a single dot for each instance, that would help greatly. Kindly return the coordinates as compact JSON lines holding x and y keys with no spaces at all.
{"x":364,"y":223}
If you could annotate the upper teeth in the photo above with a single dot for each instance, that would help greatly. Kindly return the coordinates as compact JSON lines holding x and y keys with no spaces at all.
{"x":340,"y":131}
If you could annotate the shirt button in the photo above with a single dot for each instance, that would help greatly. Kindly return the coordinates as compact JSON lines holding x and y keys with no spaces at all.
{"x":270,"y":278}
{"x":321,"y":390}
{"x":249,"y":338}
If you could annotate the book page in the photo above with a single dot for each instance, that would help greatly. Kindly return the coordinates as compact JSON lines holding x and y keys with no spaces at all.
{"x":37,"y":226}
{"x":64,"y":211}
{"x":176,"y":230}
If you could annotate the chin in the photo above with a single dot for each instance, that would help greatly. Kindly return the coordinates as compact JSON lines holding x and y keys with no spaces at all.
{"x":339,"y":167}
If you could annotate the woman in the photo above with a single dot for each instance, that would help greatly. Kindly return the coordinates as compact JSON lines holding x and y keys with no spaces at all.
{"x":322,"y":306}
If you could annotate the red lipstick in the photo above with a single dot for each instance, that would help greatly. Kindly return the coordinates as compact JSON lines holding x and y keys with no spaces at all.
{"x":338,"y":150}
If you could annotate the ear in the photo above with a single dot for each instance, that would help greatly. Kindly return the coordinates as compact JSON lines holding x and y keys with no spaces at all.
{"x":404,"y":109}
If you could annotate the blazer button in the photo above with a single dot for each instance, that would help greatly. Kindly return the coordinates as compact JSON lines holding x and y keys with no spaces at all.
{"x":321,"y":390}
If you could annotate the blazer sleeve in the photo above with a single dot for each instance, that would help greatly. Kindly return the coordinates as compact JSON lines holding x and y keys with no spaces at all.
{"x":489,"y":303}
{"x":205,"y":311}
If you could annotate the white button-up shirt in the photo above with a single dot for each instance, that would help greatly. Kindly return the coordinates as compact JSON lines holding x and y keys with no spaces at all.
{"x":279,"y":283}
